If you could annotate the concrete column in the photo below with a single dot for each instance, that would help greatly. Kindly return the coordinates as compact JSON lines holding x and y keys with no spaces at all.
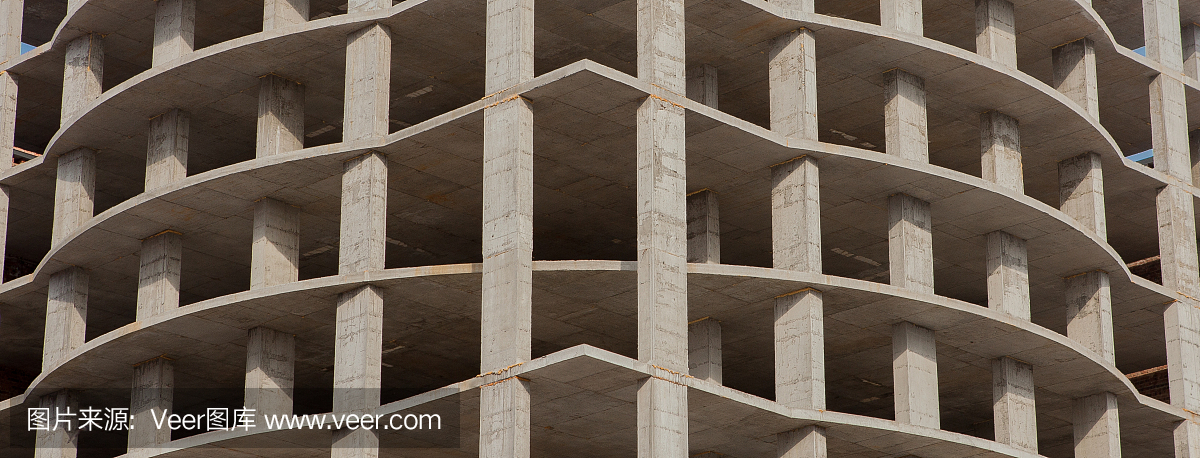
{"x":280,"y":116}
{"x":1089,"y":313}
{"x":1191,"y":50}
{"x":806,"y":442}
{"x":796,"y":215}
{"x":1013,"y":405}
{"x":504,"y":416}
{"x":793,"y":84}
{"x":1081,"y":192}
{"x":174,"y":30}
{"x":270,"y":371}
{"x":1000,"y":146}
{"x":703,"y":227}
{"x":914,"y":368}
{"x":1008,"y":274}
{"x":905,"y":124}
{"x":1182,"y":325}
{"x":275,"y":253}
{"x":1075,"y":74}
{"x":364,"y":214}
{"x":11,"y":17}
{"x":1169,"y":128}
{"x":368,"y":80}
{"x":910,"y":243}
{"x":5,"y":200}
{"x":704,"y":350}
{"x":902,"y":15}
{"x":66,"y":315}
{"x":1177,"y":240}
{"x":158,"y":276}
{"x":359,"y":6}
{"x":800,"y":350}
{"x":702,"y":85}
{"x":152,"y":395}
{"x":8,"y":118}
{"x":1160,"y":20}
{"x":83,"y":74}
{"x":74,"y":192}
{"x":278,"y":14}
{"x":995,"y":31}
{"x":167,"y":149}
{"x":1097,"y":428}
{"x":62,"y":442}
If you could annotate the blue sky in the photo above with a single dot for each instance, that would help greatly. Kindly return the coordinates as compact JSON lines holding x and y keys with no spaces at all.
{"x":25,"y":48}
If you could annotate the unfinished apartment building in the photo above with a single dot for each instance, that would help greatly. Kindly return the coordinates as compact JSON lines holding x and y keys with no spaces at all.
{"x":605,"y":228}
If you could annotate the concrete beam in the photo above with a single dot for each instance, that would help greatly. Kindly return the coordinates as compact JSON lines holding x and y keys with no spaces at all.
{"x":1169,"y":127}
{"x":66,"y":315}
{"x":1160,"y":21}
{"x":83,"y":74}
{"x":702,"y":85}
{"x":158,"y":276}
{"x":800,"y":350}
{"x":902,"y":15}
{"x":270,"y":371}
{"x":167,"y":149}
{"x":275,"y":253}
{"x":11,"y":18}
{"x":704,"y":350}
{"x":62,"y":442}
{"x":1096,"y":425}
{"x":703,"y":227}
{"x":8,"y":118}
{"x":1081,"y":192}
{"x":905,"y":123}
{"x":1008,"y":274}
{"x":364,"y":214}
{"x":792,"y":76}
{"x":280,"y":116}
{"x":1013,"y":406}
{"x":914,"y":368}
{"x":1075,"y":74}
{"x":995,"y":31}
{"x":152,"y":395}
{"x":796,"y":215}
{"x":806,"y":442}
{"x":174,"y":30}
{"x":74,"y":192}
{"x":910,"y":243}
{"x":368,"y":80}
{"x":1191,"y":50}
{"x":1000,"y":147}
{"x":1089,"y":313}
{"x":278,"y":14}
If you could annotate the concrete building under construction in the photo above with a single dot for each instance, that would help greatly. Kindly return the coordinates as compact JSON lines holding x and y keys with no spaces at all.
{"x":603,"y":228}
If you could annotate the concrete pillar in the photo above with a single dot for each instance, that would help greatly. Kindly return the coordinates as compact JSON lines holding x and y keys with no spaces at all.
{"x":914,"y":368}
{"x":703,"y":227}
{"x":364,"y":214}
{"x":280,"y":116}
{"x":995,"y":31}
{"x":910,"y":243}
{"x":793,"y":84}
{"x":1081,"y":192}
{"x":504,"y":416}
{"x":62,"y":442}
{"x":1182,"y":325}
{"x":1008,"y":274}
{"x":368,"y":80}
{"x":1096,"y":426}
{"x":167,"y":149}
{"x":270,"y":371}
{"x":275,"y":253}
{"x":360,"y":6}
{"x":1013,"y":405}
{"x":74,"y":192}
{"x":704,"y":350}
{"x":8,"y":118}
{"x":702,"y":85}
{"x":66,"y":315}
{"x":902,"y":15}
{"x":11,"y":17}
{"x":1169,"y":128}
{"x":1160,"y":19}
{"x":152,"y":395}
{"x":806,"y":442}
{"x":1075,"y":74}
{"x":1089,"y":313}
{"x":278,"y":14}
{"x":796,"y":215}
{"x":158,"y":276}
{"x":1191,"y":50}
{"x":1000,"y":146}
{"x":800,"y":350}
{"x":1177,"y":240}
{"x":174,"y":30}
{"x":83,"y":74}
{"x":906,"y":129}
